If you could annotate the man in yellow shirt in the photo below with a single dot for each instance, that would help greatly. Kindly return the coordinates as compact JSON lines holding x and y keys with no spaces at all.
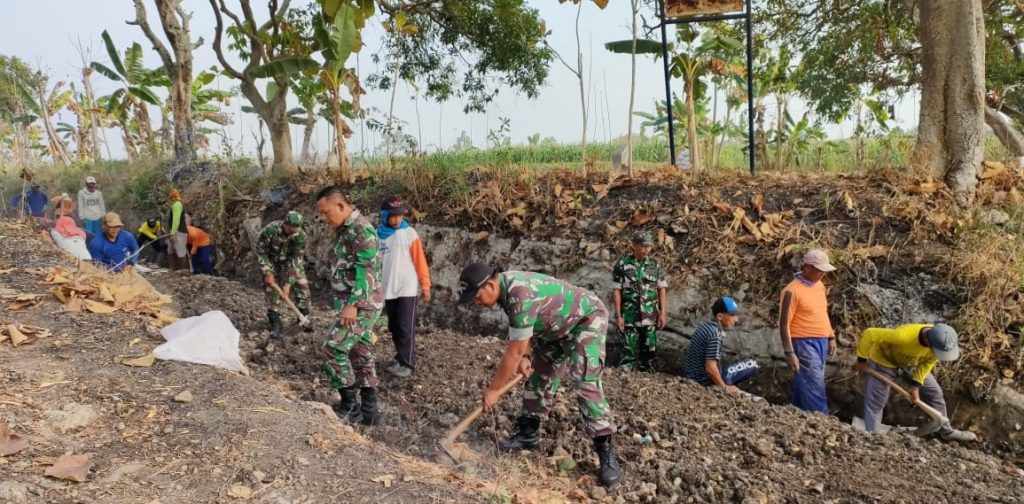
{"x":910,"y":350}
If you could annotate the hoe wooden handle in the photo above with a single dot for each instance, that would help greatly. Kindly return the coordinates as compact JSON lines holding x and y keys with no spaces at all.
{"x":472,"y":416}
{"x":932,"y":412}
{"x":302,"y":318}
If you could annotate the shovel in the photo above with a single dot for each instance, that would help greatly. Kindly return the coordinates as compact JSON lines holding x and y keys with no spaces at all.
{"x":938,"y":419}
{"x":303,"y":320}
{"x":460,"y":452}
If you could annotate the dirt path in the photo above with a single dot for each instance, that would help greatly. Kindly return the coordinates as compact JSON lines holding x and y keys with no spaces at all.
{"x":68,"y":394}
{"x":263,"y":431}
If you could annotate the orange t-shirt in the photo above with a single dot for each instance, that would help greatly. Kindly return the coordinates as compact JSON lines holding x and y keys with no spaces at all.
{"x":807,"y":314}
{"x":197,"y":238}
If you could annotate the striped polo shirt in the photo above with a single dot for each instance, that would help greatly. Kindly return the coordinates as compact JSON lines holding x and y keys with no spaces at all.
{"x":706,"y":344}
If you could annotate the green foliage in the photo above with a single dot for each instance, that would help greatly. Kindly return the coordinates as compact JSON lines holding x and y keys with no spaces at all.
{"x":469,"y":51}
{"x":288,"y":65}
{"x":13,"y":72}
{"x":643,"y":46}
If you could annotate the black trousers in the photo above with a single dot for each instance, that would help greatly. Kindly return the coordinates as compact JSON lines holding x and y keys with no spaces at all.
{"x":401,"y":313}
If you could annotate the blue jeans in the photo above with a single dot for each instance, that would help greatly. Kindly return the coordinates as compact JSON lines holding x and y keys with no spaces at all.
{"x":809,"y":383}
{"x":202,"y":260}
{"x":92,"y":227}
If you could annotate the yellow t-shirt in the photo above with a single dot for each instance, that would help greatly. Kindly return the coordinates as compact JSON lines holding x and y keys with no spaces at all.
{"x":150,"y":232}
{"x":898,"y":348}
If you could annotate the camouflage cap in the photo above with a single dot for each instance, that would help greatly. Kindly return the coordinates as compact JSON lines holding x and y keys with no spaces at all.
{"x":293,"y":218}
{"x":643,"y":238}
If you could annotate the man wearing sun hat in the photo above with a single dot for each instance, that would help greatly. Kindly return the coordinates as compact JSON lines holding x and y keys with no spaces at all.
{"x":806,"y":332}
{"x":114,"y":248}
{"x":281,"y":253}
{"x":552,"y":326}
{"x":909,"y":351}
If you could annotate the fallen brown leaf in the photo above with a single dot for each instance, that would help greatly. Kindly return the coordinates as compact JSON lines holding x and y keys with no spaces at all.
{"x":71,"y":468}
{"x":144,"y":361}
{"x":639,"y":219}
{"x":10,"y":443}
{"x":17,"y":337}
{"x":97,"y":307}
{"x":481,"y":236}
{"x":387,"y":480}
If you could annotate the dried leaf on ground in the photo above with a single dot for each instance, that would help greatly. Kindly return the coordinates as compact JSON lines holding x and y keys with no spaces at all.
{"x":387,"y":480}
{"x":10,"y":443}
{"x":98,"y":307}
{"x":71,"y":468}
{"x":144,"y":361}
{"x":17,"y":337}
{"x":6,"y":271}
{"x":22,"y":301}
{"x":240,"y":492}
{"x":481,"y":236}
{"x":639,"y":219}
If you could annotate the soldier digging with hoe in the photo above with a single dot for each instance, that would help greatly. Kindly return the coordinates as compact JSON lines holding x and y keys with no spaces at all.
{"x":552,"y":324}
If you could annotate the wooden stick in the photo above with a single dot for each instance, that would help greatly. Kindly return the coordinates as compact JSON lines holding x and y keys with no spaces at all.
{"x":461,"y":427}
{"x":303,"y":320}
{"x":932,"y":412}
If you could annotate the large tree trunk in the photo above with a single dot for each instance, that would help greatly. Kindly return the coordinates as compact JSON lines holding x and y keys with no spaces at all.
{"x":175,"y":23}
{"x":950,"y":132}
{"x":344,"y":176}
{"x":275,"y":114}
{"x":1005,"y":131}
{"x":58,"y":150}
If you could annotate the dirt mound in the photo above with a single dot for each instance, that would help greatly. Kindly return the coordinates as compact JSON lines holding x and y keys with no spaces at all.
{"x":231,"y":436}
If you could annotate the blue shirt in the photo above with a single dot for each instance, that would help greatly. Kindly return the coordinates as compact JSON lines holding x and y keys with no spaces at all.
{"x":35,"y":200}
{"x":113,"y":253}
{"x":705,"y":345}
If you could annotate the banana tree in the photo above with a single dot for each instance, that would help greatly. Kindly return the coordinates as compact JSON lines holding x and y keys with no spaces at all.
{"x":135,"y":95}
{"x":690,"y":64}
{"x":43,"y":104}
{"x":338,"y":32}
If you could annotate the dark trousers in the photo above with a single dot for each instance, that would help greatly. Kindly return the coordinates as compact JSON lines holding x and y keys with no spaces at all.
{"x":202,"y":261}
{"x":401,"y":313}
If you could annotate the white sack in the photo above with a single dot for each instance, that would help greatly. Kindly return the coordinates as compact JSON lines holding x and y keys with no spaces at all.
{"x":208,"y":339}
{"x":74,"y":245}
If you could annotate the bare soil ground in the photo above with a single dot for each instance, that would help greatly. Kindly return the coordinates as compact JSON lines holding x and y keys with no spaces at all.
{"x":707,"y":447}
{"x":68,"y":393}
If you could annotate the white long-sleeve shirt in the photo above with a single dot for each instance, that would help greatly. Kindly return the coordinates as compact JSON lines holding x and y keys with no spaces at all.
{"x":90,"y":204}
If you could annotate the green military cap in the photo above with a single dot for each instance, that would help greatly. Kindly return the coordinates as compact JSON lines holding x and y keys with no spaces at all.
{"x":643,"y":238}
{"x":293,"y":218}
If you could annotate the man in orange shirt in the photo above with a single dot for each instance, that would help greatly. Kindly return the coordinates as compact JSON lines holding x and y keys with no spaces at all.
{"x":201,"y":251}
{"x":806,"y":332}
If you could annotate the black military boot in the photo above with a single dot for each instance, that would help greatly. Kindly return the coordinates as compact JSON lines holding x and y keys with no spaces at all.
{"x":308,"y":327}
{"x":348,"y":409}
{"x":611,"y":473}
{"x":527,"y":436}
{"x":275,"y":324}
{"x":371,"y":415}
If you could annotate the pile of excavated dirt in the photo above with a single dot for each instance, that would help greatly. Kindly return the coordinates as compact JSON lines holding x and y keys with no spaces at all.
{"x":172,"y":432}
{"x":706,"y":446}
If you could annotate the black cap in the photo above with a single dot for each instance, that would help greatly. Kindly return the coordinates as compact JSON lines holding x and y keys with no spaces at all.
{"x":394,"y":206}
{"x":472,"y":278}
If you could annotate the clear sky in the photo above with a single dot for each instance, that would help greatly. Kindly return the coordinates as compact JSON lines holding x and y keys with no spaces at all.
{"x":44,"y":34}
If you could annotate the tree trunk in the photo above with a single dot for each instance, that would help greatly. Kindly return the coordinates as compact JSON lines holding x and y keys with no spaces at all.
{"x":780,"y":127}
{"x":94,"y":120}
{"x":1005,"y":131}
{"x":175,"y":23}
{"x":632,"y":93}
{"x":275,"y":114}
{"x":691,"y":124}
{"x":950,"y":132}
{"x":583,"y":94}
{"x":339,"y":139}
{"x":307,"y":134}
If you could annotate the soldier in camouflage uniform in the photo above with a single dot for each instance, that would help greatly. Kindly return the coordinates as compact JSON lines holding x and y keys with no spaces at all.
{"x":281,"y":252}
{"x":359,"y":297}
{"x":639,"y":298}
{"x":566,"y":326}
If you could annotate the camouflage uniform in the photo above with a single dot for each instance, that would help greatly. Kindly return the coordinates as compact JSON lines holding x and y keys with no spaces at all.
{"x":355,"y":279}
{"x":639,"y":281}
{"x":568,"y":326}
{"x":284,"y":257}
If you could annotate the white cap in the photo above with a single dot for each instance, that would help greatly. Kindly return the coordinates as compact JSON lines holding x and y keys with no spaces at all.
{"x":90,"y":180}
{"x":819,"y":259}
